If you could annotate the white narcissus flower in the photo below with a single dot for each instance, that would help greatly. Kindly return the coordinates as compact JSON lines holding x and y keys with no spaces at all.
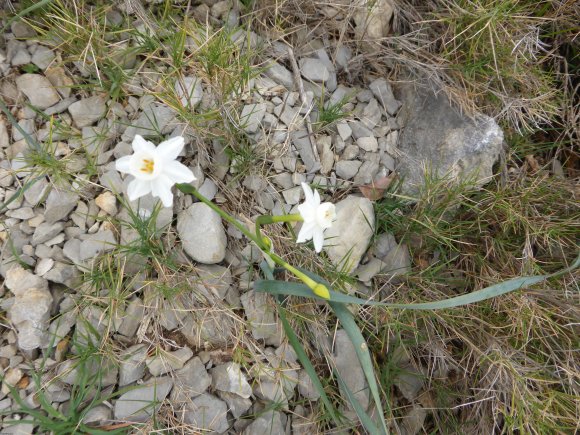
{"x":317,"y":218}
{"x":155,"y":169}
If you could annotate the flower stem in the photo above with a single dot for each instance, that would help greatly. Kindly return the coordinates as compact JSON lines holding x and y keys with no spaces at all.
{"x":317,"y":288}
{"x":267,"y":219}
{"x":189,"y":189}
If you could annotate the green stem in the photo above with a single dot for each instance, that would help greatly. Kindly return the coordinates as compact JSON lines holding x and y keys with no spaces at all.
{"x":189,"y":189}
{"x":267,"y":219}
{"x":317,"y":288}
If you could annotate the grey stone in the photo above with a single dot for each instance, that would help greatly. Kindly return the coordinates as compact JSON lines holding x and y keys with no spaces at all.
{"x":189,"y":91}
{"x":38,"y":90}
{"x":371,"y":115}
{"x":444,"y":142}
{"x":301,"y":142}
{"x":132,"y":366}
{"x":306,"y":386}
{"x":132,"y":318}
{"x":237,"y":405}
{"x":368,"y":144}
{"x":383,"y":92}
{"x":22,"y":30}
{"x":139,"y":404}
{"x":292,"y":196}
{"x":230,"y":379}
{"x":66,"y":274}
{"x":91,"y":325}
{"x":213,"y":281}
{"x":367,"y":172}
{"x":281,"y":75}
{"x":344,"y":130}
{"x":42,"y":57}
{"x":168,"y":361}
{"x":63,"y":83}
{"x":359,"y":129}
{"x":350,"y":370}
{"x":268,"y":423}
{"x":30,"y":311}
{"x":414,"y":420}
{"x":314,"y":69}
{"x":190,"y":381}
{"x":62,"y":325}
{"x":207,"y":413}
{"x":347,"y":169}
{"x":95,"y":244}
{"x":251,"y":117}
{"x":261,"y":317}
{"x":98,"y":415}
{"x":46,"y":231}
{"x":350,"y":152}
{"x":87,"y":111}
{"x":215,"y":327}
{"x":397,"y":261}
{"x":409,"y":381}
{"x":20,"y":55}
{"x":59,"y":204}
{"x":154,"y":120}
{"x":202,"y":234}
{"x":351,"y":232}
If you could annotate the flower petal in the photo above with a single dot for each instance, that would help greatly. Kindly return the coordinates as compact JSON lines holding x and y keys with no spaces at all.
{"x":141,"y":145}
{"x":318,"y":239}
{"x":161,"y":188}
{"x":316,"y":198}
{"x":177,"y":172}
{"x":308,"y":195}
{"x":170,"y":149}
{"x":138,"y":188}
{"x":123,"y":164}
{"x":307,"y":211}
{"x":306,"y":232}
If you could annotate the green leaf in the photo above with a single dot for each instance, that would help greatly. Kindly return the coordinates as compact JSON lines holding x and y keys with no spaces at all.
{"x":364,"y":356}
{"x":367,"y":422}
{"x":296,"y":289}
{"x":301,"y":353}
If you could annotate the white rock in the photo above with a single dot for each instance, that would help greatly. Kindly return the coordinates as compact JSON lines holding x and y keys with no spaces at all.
{"x":350,"y":234}
{"x":202,"y":234}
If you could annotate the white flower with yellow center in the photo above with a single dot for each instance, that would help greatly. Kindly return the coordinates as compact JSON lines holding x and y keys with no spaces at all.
{"x":317,"y":218}
{"x":155,"y":169}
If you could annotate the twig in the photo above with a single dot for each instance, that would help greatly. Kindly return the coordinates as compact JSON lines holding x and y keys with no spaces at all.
{"x":298,"y":80}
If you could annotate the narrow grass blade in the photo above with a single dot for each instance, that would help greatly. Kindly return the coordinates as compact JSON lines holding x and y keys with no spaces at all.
{"x":367,"y":421}
{"x":25,"y":12}
{"x":19,"y":192}
{"x":301,"y":353}
{"x":29,"y":139}
{"x":297,"y":289}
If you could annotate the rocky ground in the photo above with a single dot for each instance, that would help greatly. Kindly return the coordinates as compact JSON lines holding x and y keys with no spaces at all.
{"x":159,"y":301}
